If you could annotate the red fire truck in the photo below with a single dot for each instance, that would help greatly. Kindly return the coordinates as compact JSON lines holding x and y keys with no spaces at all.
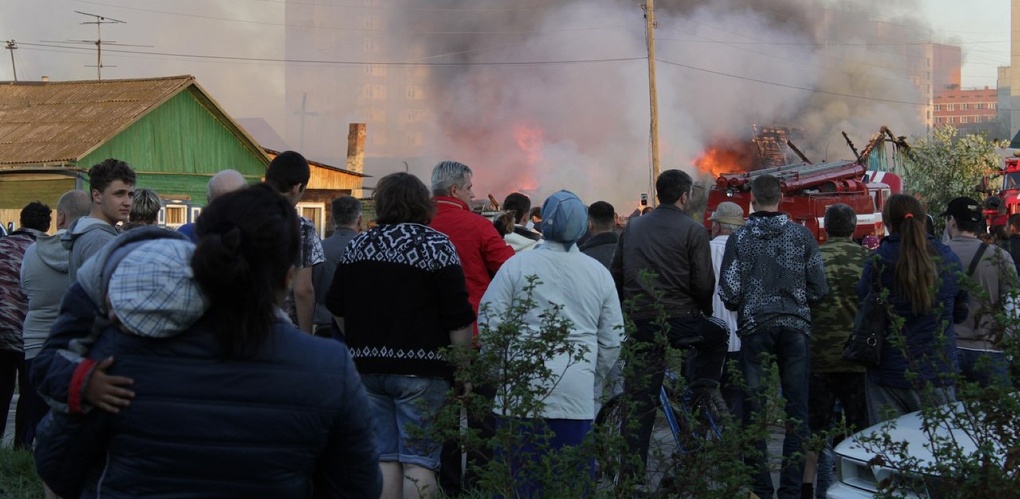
{"x":1008,"y":192}
{"x":808,"y":189}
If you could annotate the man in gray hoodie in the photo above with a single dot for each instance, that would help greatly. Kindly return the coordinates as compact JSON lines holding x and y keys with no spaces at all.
{"x":112,"y":185}
{"x":44,"y":280}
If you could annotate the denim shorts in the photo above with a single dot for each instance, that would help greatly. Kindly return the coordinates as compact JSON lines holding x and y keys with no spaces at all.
{"x":399,"y":403}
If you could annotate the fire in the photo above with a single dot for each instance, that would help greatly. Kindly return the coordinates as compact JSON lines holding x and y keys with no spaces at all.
{"x":728,"y":157}
{"x":530,"y":140}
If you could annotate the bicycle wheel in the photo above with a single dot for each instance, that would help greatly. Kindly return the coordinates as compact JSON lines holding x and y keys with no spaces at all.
{"x":611,"y":446}
{"x":702,"y":421}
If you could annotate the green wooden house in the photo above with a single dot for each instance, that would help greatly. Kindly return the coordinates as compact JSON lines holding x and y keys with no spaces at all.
{"x":168,"y":129}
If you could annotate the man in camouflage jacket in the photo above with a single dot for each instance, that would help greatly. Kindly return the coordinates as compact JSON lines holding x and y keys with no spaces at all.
{"x":832,"y":320}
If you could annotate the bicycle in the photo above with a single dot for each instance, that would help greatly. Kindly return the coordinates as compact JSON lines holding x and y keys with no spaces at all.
{"x":683,"y":424}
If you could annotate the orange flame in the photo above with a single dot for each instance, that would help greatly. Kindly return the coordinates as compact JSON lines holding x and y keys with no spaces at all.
{"x":717,"y":161}
{"x":530,"y":140}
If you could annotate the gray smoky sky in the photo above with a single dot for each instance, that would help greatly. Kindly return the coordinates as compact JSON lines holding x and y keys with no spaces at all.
{"x":534,"y":95}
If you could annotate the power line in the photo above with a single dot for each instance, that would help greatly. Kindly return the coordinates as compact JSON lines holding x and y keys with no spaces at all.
{"x":784,"y":85}
{"x":491,"y":63}
{"x":358,"y":63}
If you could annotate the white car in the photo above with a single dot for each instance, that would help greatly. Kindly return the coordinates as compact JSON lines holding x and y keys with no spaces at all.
{"x":856,"y":478}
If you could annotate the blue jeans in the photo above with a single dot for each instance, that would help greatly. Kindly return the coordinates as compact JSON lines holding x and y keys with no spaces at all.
{"x":399,"y":403}
{"x":983,"y":367}
{"x":789,"y":347}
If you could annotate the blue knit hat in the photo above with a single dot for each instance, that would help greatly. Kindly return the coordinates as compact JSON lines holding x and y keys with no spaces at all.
{"x":564,"y":218}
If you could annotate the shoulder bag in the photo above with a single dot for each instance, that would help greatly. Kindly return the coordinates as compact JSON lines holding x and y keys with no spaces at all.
{"x":864,"y":346}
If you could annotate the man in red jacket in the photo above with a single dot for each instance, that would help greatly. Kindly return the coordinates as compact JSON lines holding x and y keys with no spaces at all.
{"x":480,"y":248}
{"x":481,"y":251}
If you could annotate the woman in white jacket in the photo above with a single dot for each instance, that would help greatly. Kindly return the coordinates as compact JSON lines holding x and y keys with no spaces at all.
{"x":584,"y":291}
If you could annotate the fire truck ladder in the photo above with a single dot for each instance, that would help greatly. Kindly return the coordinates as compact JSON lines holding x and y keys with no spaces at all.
{"x":841,"y":174}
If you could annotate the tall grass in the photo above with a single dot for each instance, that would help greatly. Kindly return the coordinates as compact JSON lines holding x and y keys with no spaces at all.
{"x":18,"y":479}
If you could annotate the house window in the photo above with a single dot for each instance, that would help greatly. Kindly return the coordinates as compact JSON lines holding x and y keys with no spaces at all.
{"x":415,"y":115}
{"x":316,"y":212}
{"x":415,"y":92}
{"x":938,"y":107}
{"x":964,"y":106}
{"x":374,"y":92}
{"x":195,"y":212}
{"x":371,"y":45}
{"x":993,"y":105}
{"x":175,"y":215}
{"x":950,"y":107}
{"x":964,"y":119}
{"x":375,"y":70}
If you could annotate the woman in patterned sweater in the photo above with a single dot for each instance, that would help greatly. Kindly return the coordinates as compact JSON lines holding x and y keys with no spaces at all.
{"x":398,"y":295}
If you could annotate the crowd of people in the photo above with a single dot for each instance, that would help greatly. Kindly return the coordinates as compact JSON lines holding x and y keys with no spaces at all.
{"x":243,"y":355}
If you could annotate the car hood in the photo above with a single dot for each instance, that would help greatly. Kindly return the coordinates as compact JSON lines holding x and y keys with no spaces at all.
{"x":909,"y":428}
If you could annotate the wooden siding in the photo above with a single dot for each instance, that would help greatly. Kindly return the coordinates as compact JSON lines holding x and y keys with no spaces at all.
{"x":327,"y":179}
{"x":178,"y":185}
{"x":16,"y":191}
{"x":180,"y":136}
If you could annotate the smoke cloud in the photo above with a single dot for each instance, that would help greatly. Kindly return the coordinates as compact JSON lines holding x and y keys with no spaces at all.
{"x":533,"y":95}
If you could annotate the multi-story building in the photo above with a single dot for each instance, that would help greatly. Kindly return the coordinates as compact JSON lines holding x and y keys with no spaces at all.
{"x":340,"y":81}
{"x":967,"y":109}
{"x":891,"y":55}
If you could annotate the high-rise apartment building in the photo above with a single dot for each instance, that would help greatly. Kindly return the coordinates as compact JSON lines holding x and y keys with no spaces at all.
{"x":350,"y":70}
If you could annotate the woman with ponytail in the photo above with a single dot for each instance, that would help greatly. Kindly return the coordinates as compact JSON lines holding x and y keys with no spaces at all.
{"x":239,"y":403}
{"x":919,"y":274}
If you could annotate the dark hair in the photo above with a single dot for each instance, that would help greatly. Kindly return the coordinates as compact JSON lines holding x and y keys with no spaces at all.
{"x":36,"y":215}
{"x":602,"y":215}
{"x":840,"y":220}
{"x":288,"y":169}
{"x":402,"y":198}
{"x":915,"y":273}
{"x":517,"y":203}
{"x":969,"y":226}
{"x":1014,"y":220}
{"x":672,"y":184}
{"x":345,"y":210}
{"x":248,"y":241}
{"x":766,"y":190}
{"x":103,"y":174}
{"x":145,"y":207}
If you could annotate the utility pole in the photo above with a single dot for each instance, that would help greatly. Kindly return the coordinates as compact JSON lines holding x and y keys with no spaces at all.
{"x":12,"y":46}
{"x":303,"y":114}
{"x":652,"y":95}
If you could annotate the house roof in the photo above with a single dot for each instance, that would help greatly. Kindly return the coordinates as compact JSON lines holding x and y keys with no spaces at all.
{"x":275,"y":153}
{"x":46,"y":123}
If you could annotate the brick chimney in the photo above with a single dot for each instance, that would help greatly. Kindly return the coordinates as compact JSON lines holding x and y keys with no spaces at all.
{"x":356,"y":152}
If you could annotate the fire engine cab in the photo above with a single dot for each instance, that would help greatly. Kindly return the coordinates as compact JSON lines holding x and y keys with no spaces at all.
{"x":809,"y":189}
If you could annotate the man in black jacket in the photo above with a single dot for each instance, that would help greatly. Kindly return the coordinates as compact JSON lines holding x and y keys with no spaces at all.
{"x":601,"y":243}
{"x":663,"y":265}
